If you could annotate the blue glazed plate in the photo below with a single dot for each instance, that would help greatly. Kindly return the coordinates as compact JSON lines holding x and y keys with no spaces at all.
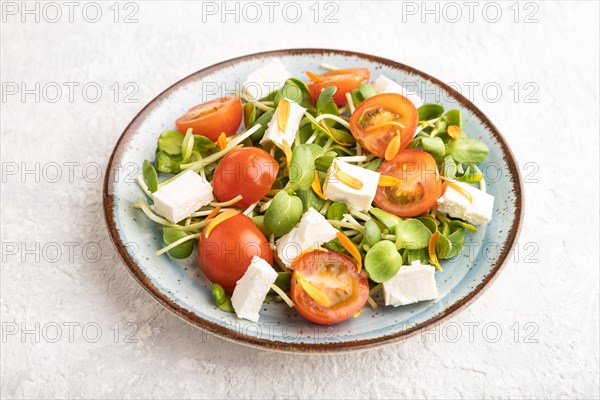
{"x":182,"y":288}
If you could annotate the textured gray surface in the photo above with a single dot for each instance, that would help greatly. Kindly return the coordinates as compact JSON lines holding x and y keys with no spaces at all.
{"x":549,"y":290}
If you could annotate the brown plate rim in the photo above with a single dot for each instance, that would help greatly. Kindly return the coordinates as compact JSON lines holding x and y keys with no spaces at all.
{"x":231,"y":334}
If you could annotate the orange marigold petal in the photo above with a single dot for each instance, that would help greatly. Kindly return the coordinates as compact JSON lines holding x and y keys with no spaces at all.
{"x":313,"y":291}
{"x":220,"y":218}
{"x":213,"y":213}
{"x":458,"y":188}
{"x":287,"y":150}
{"x":377,"y":126}
{"x":314,"y":77}
{"x":222,"y":141}
{"x":432,"y":252}
{"x":387,"y":180}
{"x":347,"y":179}
{"x":283,"y":114}
{"x":316,"y":186}
{"x":454,"y":131}
{"x":393,"y":146}
{"x":348,"y":245}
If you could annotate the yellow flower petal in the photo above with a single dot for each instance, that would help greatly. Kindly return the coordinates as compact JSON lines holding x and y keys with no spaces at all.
{"x":314,"y":77}
{"x":458,"y":188}
{"x":387,"y":180}
{"x":377,"y":126}
{"x":220,"y":218}
{"x":316,"y":186}
{"x":283,"y":114}
{"x":454,"y":131}
{"x":314,"y":292}
{"x":222,"y":141}
{"x":287,"y":150}
{"x":393,"y":146}
{"x":431,"y":251}
{"x":346,"y":178}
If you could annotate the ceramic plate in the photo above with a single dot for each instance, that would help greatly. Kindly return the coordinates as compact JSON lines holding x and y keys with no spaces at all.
{"x":182,"y":288}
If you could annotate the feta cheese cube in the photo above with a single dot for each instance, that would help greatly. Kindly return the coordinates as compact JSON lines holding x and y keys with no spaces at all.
{"x":358,"y":199}
{"x":457,"y":205}
{"x":291,"y":129}
{"x":412,"y":283}
{"x":312,"y":231}
{"x":385,"y":85}
{"x":183,"y":196}
{"x":252,"y":288}
{"x":266,"y":80}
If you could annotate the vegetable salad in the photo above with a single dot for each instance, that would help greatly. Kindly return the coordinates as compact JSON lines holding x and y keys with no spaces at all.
{"x":329,"y":194}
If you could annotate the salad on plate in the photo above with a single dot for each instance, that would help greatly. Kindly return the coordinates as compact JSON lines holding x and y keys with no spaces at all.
{"x":329,"y":194}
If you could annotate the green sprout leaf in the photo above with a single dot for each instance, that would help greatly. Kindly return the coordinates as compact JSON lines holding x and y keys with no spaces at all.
{"x":382,"y":261}
{"x":336,"y":211}
{"x":293,"y":89}
{"x":167,"y":164}
{"x":325,"y":103}
{"x":467,"y":150}
{"x":150,"y":176}
{"x":457,"y":239}
{"x":387,"y":219}
{"x":430,"y":111}
{"x":263,"y":120}
{"x":170,"y":142}
{"x":366,"y":90}
{"x":302,"y":165}
{"x":434,"y":146}
{"x":283,"y":213}
{"x":372,"y":233}
{"x":222,"y":300}
{"x":412,"y":234}
{"x":171,"y":235}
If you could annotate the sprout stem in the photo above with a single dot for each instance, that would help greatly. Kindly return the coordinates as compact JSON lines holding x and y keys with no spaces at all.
{"x":335,"y":118}
{"x":178,"y":242}
{"x":282,"y":294}
{"x":228,"y":202}
{"x":142,"y":184}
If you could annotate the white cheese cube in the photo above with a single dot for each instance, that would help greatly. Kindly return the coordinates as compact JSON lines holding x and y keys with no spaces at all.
{"x":183,"y":196}
{"x":252,"y":288}
{"x":312,"y":231}
{"x":457,"y":205}
{"x":266,"y":80}
{"x":358,"y":199}
{"x":291,"y":129}
{"x":385,"y":85}
{"x":412,"y":283}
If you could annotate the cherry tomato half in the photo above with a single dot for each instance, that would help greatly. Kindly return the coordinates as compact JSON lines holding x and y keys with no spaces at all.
{"x":336,"y":276}
{"x":377,"y":120}
{"x":225,"y":255}
{"x":212,"y":118}
{"x":346,"y":80}
{"x":248,"y":171}
{"x":420,"y":187}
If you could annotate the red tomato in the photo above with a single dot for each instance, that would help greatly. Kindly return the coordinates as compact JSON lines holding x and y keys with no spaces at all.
{"x":212,"y":118}
{"x":335,"y":275}
{"x":346,"y":80}
{"x":376,"y":121}
{"x":225,"y":255}
{"x":420,"y":187}
{"x":248,"y":171}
